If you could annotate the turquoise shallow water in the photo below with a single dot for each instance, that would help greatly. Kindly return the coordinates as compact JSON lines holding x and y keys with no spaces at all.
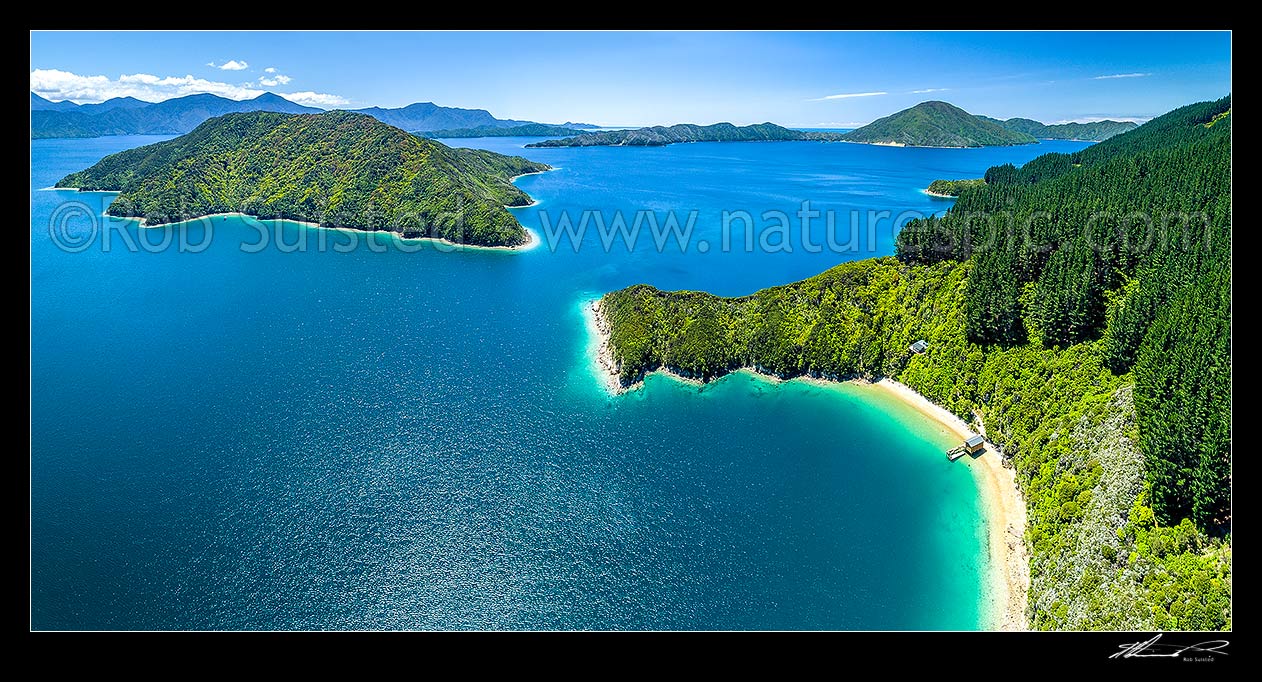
{"x":392,"y":439}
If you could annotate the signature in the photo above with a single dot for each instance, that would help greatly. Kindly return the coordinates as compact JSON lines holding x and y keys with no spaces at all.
{"x":1154,"y":649}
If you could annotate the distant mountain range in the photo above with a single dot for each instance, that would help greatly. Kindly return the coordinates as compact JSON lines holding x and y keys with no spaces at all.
{"x":429,"y":116}
{"x":1097,"y":131}
{"x":130,"y":116}
{"x":40,"y":104}
{"x":133,"y":117}
{"x":657,"y":136}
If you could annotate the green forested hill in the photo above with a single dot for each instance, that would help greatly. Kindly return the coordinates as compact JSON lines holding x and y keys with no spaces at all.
{"x":1122,"y":239}
{"x":658,"y":136}
{"x":336,"y":169}
{"x":936,"y":124}
{"x":1094,"y":341}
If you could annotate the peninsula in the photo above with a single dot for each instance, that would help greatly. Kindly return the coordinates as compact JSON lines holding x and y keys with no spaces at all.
{"x":952,"y":188}
{"x":658,"y":136}
{"x":527,"y":130}
{"x":1103,"y":373}
{"x":335,"y":169}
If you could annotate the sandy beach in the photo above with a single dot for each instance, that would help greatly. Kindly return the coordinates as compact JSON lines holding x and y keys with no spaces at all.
{"x":550,"y":169}
{"x":891,"y":143}
{"x":533,"y":201}
{"x":1008,"y":580}
{"x":598,"y":347}
{"x":532,"y":239}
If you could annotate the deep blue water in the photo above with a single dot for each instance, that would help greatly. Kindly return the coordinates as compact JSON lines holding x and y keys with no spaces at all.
{"x":392,"y":438}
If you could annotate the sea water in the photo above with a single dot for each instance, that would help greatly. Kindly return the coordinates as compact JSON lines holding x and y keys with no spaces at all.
{"x":387,"y":436}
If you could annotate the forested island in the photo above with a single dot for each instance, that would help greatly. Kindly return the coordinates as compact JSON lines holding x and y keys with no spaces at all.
{"x":658,"y":136}
{"x":1099,"y":359}
{"x":937,"y":124}
{"x":335,"y":169}
{"x":952,"y":188}
{"x":528,"y":130}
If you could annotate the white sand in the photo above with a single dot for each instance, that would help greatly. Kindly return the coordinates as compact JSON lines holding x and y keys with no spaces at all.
{"x":598,"y":348}
{"x":532,"y":239}
{"x":532,"y":173}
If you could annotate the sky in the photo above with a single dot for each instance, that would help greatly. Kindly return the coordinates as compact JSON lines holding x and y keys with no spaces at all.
{"x":799,"y":79}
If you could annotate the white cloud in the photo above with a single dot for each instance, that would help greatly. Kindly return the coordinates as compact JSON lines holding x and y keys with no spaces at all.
{"x":230,"y":65}
{"x":55,"y":85}
{"x":847,"y":95}
{"x":928,"y":90}
{"x":278,"y":79}
{"x":1120,"y":75}
{"x":270,"y":69}
{"x":316,"y":99}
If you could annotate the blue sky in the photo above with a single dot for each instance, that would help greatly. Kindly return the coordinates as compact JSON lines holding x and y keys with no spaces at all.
{"x":646,"y":78}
